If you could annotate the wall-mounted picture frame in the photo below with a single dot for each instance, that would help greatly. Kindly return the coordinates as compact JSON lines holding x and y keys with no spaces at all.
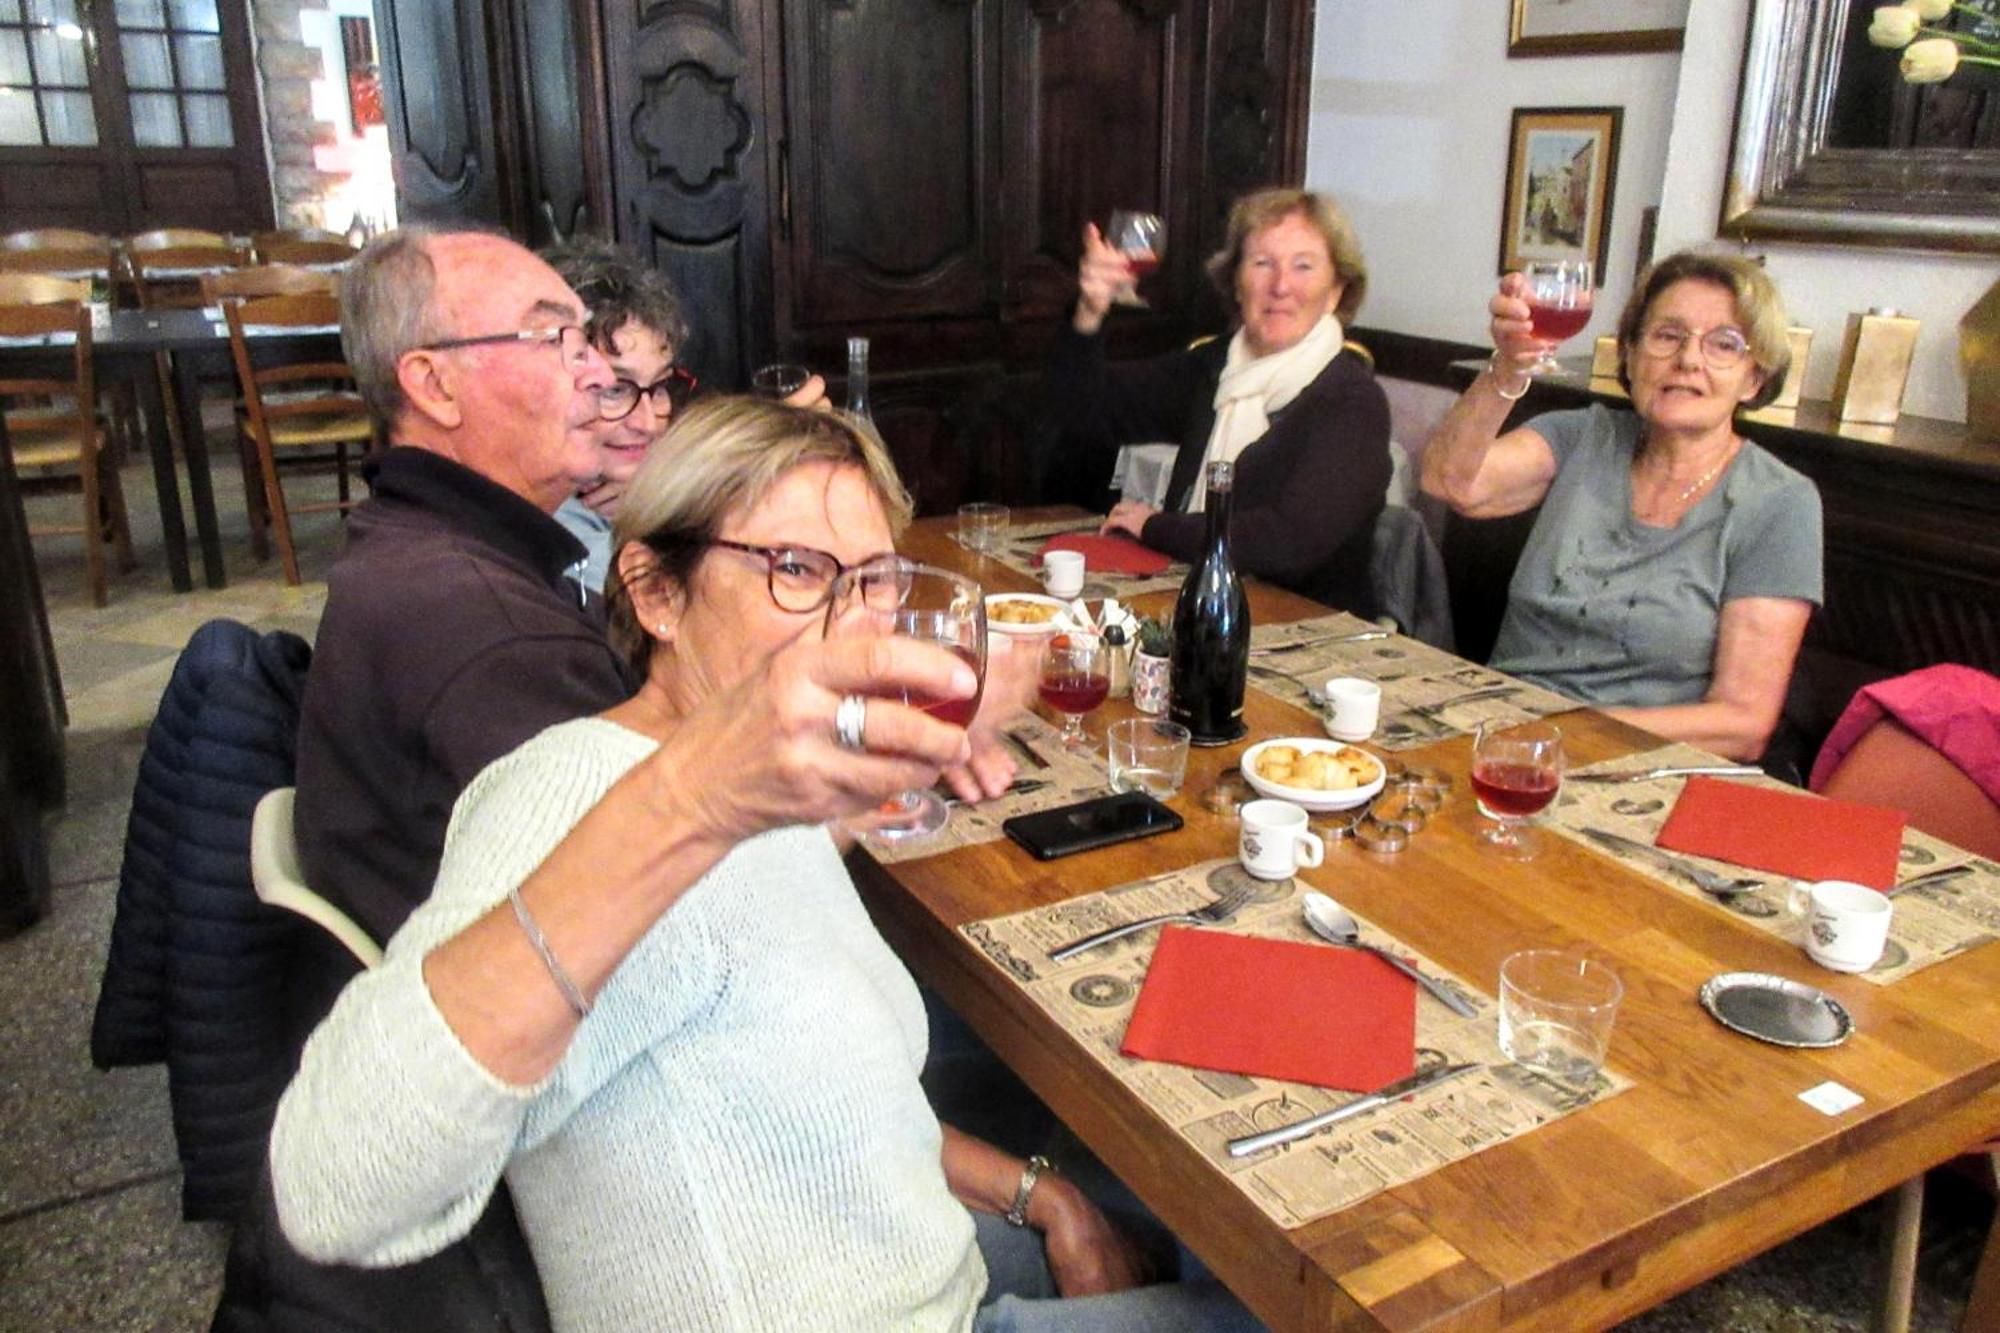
{"x":1595,"y":27}
{"x":1562,"y":163}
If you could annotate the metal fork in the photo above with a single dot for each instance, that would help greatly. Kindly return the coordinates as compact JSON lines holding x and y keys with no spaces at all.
{"x":1213,"y":913}
{"x":1431,"y":711}
{"x":1311,"y":689}
{"x":1719,"y":886}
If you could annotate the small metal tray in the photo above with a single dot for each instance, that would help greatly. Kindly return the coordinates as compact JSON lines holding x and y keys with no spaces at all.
{"x":1776,"y":1009}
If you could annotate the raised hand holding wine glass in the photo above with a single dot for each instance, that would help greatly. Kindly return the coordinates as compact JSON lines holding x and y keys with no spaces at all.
{"x":1142,"y":239}
{"x":1517,"y":770}
{"x":1559,"y":301}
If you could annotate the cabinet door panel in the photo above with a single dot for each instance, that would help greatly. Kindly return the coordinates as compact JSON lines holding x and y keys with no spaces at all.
{"x":1096,"y":119}
{"x":890,"y":149}
{"x":436,"y":93}
{"x":690,"y":160}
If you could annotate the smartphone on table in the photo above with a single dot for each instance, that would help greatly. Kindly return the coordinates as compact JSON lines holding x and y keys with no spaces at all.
{"x":1087,"y":825}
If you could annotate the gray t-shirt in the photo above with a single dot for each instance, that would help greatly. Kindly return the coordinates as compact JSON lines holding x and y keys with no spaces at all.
{"x":594,"y":531}
{"x":1609,"y":610}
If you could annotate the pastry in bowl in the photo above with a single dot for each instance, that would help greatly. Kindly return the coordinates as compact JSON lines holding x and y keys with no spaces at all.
{"x":1318,"y":774}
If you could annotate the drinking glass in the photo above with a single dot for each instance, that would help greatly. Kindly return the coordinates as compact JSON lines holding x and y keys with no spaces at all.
{"x":1147,"y":754}
{"x":982,"y":527}
{"x":779,"y":381}
{"x":1517,"y":770}
{"x":1142,"y":239}
{"x":1556,"y":1012}
{"x":1076,"y":677}
{"x":1559,"y":296}
{"x":948,"y":610}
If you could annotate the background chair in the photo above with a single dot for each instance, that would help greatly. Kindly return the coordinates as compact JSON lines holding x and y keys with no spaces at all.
{"x":301,"y":245}
{"x":167,"y":265}
{"x":274,"y":869}
{"x":293,"y":407}
{"x":53,"y":423}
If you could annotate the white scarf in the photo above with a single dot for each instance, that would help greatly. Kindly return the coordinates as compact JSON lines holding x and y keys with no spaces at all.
{"x":1253,"y":387}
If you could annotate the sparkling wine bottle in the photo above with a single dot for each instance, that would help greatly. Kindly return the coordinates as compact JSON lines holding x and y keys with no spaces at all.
{"x":1211,"y":657}
{"x":857,"y":379}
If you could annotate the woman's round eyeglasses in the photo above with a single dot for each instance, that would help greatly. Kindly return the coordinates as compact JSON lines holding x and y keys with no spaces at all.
{"x":1722,"y":348}
{"x":668,"y":394}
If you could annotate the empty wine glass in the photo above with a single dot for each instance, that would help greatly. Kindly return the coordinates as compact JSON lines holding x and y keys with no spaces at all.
{"x":780,"y":380}
{"x":1076,"y":677}
{"x":1517,"y":770}
{"x":1142,"y":239}
{"x":950,"y":611}
{"x":1559,"y":298}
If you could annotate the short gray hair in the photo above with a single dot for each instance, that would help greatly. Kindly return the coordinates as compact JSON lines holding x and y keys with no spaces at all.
{"x":387,"y":308}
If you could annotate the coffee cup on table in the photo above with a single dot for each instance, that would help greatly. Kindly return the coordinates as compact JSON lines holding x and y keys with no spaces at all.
{"x":1274,"y":841}
{"x":1846,"y":925}
{"x":1062,"y":572}
{"x":1353,"y":706}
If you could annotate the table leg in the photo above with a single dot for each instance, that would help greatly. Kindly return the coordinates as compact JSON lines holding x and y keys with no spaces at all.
{"x":160,"y":443}
{"x":187,"y":387}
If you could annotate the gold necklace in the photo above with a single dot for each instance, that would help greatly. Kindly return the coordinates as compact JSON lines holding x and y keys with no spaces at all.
{"x":1704,"y":478}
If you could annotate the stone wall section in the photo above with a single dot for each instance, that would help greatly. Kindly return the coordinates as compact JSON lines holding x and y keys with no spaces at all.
{"x":287,"y":67}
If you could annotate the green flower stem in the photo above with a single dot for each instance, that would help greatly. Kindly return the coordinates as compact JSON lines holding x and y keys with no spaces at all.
{"x":1964,"y":40}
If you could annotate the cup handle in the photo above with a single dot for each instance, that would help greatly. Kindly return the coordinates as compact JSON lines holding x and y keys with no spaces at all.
{"x":1798,"y":900}
{"x":1312,"y":850}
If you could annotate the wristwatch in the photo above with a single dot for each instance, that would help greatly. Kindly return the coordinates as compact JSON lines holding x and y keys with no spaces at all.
{"x":1017,"y":1212}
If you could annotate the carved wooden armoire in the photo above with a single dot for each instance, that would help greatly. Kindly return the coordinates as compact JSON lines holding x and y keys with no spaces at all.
{"x":916,"y":171}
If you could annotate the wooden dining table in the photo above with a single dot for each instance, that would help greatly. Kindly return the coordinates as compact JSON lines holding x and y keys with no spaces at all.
{"x":1708,"y":1159}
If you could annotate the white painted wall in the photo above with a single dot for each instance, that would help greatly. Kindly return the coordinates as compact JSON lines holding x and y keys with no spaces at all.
{"x":1822,"y":284}
{"x":1408,"y":128}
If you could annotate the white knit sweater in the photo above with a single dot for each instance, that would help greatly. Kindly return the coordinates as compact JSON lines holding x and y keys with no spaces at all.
{"x":734,"y":1140}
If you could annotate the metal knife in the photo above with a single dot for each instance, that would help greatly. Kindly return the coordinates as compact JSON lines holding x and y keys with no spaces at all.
{"x":1359,"y":636}
{"x":1271,"y":1138}
{"x":1693,"y":874}
{"x":1469,"y":697}
{"x":1672,"y":771}
{"x":1925,"y":881}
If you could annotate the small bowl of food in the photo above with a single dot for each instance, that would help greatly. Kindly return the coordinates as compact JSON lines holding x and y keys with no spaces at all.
{"x":1025,"y":613}
{"x":1320,"y":775}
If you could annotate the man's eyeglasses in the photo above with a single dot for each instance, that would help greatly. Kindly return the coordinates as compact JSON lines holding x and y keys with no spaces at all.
{"x":1722,"y":348}
{"x":669,"y":394}
{"x":568,"y":338}
{"x":803,"y":579}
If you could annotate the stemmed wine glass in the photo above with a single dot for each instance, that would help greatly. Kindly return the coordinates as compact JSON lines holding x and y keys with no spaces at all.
{"x":1559,"y":297}
{"x":949,"y":610}
{"x":1142,"y":239}
{"x":1517,"y":770}
{"x":1076,"y":677}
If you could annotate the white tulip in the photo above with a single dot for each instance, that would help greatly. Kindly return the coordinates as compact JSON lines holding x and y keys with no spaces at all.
{"x":1930,"y":11}
{"x":1933,"y":60}
{"x":1894,"y":26}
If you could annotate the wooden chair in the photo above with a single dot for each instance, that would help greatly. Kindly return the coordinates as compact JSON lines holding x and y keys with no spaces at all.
{"x":167,"y":265}
{"x":275,"y":871}
{"x":293,"y":407}
{"x":55,"y":425}
{"x":301,"y":245}
{"x":58,"y":250}
{"x":266,"y":280}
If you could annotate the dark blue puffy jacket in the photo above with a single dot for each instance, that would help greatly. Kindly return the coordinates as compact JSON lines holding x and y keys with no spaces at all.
{"x":199,"y":969}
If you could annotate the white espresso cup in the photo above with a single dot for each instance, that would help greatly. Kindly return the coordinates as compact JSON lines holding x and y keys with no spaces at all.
{"x":1846,"y":925}
{"x":1353,"y":706}
{"x":1275,"y":841}
{"x":1062,"y":572}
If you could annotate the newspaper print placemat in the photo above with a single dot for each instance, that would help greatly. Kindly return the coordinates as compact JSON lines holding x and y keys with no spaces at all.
{"x":1050,"y":774}
{"x":1091,"y":998}
{"x":1424,"y":689}
{"x":1930,"y":924}
{"x":1022,"y":544}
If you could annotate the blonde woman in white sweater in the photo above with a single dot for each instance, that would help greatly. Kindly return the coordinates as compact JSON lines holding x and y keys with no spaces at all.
{"x":645,"y":991}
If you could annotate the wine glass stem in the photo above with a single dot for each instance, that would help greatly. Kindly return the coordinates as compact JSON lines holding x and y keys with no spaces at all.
{"x":1072,"y":732}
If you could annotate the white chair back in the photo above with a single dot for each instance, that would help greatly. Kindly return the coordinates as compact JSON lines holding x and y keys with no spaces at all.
{"x":274,"y":869}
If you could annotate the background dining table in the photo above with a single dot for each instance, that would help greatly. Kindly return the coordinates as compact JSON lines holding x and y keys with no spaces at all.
{"x":1709,"y":1158}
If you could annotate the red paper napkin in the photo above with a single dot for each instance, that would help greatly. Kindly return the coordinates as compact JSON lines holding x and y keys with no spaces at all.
{"x":1791,"y":833}
{"x":1111,"y":555}
{"x":1305,"y":1013}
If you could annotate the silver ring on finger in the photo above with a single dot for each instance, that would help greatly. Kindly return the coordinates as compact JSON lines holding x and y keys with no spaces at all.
{"x":848,"y":720}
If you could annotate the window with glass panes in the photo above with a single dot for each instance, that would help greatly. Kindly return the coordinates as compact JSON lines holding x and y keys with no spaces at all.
{"x":174,"y":80}
{"x":45,"y":76}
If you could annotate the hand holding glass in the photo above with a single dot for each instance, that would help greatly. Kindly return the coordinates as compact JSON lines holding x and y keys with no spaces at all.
{"x":1559,"y":298}
{"x":950,"y":611}
{"x":1142,"y":239}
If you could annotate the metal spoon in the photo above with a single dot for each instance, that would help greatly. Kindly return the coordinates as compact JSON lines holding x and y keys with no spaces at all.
{"x":1336,"y":925}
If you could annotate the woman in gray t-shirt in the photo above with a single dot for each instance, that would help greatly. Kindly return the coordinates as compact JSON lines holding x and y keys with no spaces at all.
{"x":1674,"y":564}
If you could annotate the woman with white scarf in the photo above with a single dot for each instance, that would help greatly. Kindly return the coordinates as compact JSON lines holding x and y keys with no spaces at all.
{"x":1303,"y":419}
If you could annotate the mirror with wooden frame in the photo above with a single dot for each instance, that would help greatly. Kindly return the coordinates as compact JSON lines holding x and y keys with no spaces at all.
{"x":1832,"y":147}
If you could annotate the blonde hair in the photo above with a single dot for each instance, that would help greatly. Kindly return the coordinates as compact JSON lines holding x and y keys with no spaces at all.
{"x":1760,"y":313}
{"x":722,"y":457}
{"x":1266,"y":208}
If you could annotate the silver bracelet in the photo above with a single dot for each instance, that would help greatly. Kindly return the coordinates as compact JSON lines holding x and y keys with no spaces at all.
{"x":571,"y":992}
{"x":1017,"y":1212}
{"x":1493,"y":373}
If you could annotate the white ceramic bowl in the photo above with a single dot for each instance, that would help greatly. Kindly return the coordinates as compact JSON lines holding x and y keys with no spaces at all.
{"x":1312,"y":799}
{"x":1059,"y":621}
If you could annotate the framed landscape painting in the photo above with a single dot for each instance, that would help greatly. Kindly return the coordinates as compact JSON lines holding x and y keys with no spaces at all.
{"x":1595,"y":27}
{"x":1561,"y":162}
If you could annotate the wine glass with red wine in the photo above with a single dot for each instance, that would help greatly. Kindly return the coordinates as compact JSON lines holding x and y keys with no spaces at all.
{"x":1076,"y":677}
{"x":950,"y":611}
{"x":1517,"y":770}
{"x":1559,"y":296}
{"x":1142,"y":239}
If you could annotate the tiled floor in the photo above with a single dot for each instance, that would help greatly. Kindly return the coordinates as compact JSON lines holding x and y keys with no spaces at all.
{"x":90,"y":1236}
